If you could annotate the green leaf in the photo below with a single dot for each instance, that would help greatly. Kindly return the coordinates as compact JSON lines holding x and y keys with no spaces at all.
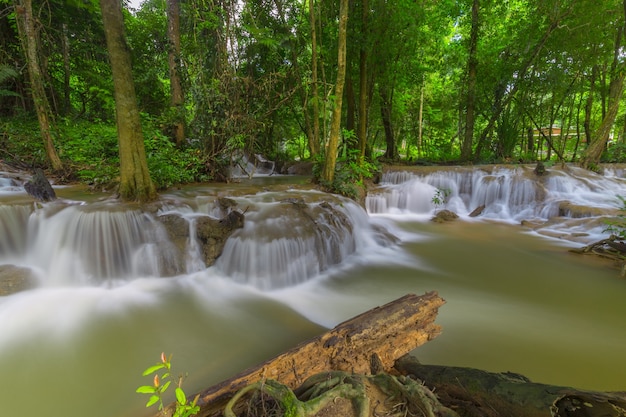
{"x":165,"y":386}
{"x":146,"y":389}
{"x":180,"y":396}
{"x":153,"y":369}
{"x":152,"y":400}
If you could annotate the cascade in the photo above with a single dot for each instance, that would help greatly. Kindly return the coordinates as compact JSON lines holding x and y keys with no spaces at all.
{"x":507,"y":194}
{"x":287,"y":241}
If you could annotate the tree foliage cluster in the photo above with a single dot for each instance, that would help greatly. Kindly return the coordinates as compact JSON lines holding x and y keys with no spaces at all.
{"x":344,"y":83}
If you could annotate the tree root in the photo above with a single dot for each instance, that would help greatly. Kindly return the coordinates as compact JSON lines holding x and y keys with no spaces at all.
{"x":409,"y":397}
{"x":612,"y":248}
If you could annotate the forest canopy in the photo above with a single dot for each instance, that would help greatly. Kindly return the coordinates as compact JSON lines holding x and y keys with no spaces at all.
{"x":424,"y":81}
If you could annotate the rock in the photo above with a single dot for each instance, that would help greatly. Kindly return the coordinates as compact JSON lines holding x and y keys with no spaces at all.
{"x":302,"y":168}
{"x":14,"y":279}
{"x":444,"y":216}
{"x":211,"y":233}
{"x":39,"y":188}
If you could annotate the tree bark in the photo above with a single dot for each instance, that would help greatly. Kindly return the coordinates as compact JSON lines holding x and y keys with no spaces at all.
{"x":381,"y":335}
{"x":173,"y":59}
{"x":314,"y":139}
{"x":135,"y":182}
{"x":477,"y":393}
{"x":472,"y":69}
{"x":328,"y":172}
{"x":26,"y":27}
{"x":386,"y":103}
{"x":363,"y":83}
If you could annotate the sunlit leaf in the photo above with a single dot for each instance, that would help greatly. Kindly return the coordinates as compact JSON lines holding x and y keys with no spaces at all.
{"x":180,"y":396}
{"x":146,"y":389}
{"x":152,"y":400}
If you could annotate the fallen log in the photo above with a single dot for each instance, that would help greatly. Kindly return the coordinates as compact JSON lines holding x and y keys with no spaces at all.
{"x":376,"y":339}
{"x":477,"y":393}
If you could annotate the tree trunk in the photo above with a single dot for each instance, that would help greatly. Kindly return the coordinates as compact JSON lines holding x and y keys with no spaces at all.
{"x":591,"y":156}
{"x":386,"y":103}
{"x":314,"y":140}
{"x":477,"y":393}
{"x":363,"y":84}
{"x":374,"y":339}
{"x":589,"y":104}
{"x":472,"y":66}
{"x":135,"y":182}
{"x":173,"y":59}
{"x":26,"y":27}
{"x":328,"y":172}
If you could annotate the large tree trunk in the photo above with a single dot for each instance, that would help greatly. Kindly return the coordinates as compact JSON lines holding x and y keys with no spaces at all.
{"x":368,"y":343}
{"x":472,"y":66}
{"x":135,"y":182}
{"x":477,"y":393}
{"x":173,"y":59}
{"x":26,"y":27}
{"x":328,"y":172}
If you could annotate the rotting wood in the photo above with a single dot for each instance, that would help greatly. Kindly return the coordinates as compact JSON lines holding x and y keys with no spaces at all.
{"x":389,"y":332}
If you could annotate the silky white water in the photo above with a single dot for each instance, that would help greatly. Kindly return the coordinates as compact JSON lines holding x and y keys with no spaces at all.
{"x":304,"y":261}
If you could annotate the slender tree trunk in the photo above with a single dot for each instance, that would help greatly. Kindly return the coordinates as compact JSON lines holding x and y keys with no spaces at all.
{"x":66,"y":71}
{"x":135,"y":182}
{"x":314,"y":141}
{"x":173,"y":60}
{"x":386,"y":103}
{"x":26,"y":27}
{"x":472,"y":69}
{"x":363,"y":83}
{"x":350,"y":103}
{"x":589,"y":104}
{"x":328,"y":173}
{"x":420,"y":122}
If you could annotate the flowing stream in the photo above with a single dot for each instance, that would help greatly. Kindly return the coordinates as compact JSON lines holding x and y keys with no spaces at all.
{"x":103,"y":309}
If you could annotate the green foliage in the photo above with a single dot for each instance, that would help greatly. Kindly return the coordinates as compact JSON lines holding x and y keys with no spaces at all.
{"x":7,"y":74}
{"x":160,"y":384}
{"x":170,"y":165}
{"x":440,"y":196}
{"x":91,"y":149}
{"x":350,"y":170}
{"x":615,"y":153}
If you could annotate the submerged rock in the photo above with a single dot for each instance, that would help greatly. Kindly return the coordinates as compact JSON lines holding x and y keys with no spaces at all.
{"x":14,"y":279}
{"x":443,"y":216}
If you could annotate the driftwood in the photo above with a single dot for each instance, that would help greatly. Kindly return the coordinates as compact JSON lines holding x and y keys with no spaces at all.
{"x":474,"y":393}
{"x":372,"y":340}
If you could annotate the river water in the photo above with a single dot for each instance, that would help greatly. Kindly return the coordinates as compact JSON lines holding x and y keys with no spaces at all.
{"x":517,"y":300}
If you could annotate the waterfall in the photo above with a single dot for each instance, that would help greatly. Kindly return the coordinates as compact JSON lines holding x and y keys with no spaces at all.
{"x":286,"y":242}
